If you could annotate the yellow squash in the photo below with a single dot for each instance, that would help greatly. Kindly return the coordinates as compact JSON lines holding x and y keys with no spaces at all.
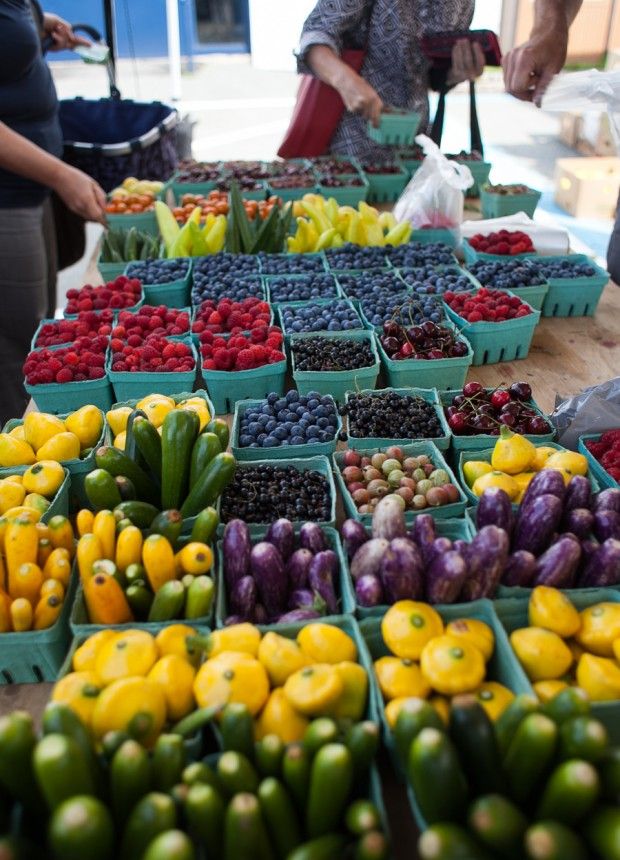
{"x":11,"y":495}
{"x":599,"y":677}
{"x":244,"y":638}
{"x":400,"y":677}
{"x":135,"y":705}
{"x":132,"y":652}
{"x":105,"y":600}
{"x":278,"y":717}
{"x":232,"y":677}
{"x":21,"y":614}
{"x":84,"y":522}
{"x":281,"y":657}
{"x":568,"y":461}
{"x":494,"y":698}
{"x":452,"y":665}
{"x":314,"y":690}
{"x":195,"y":558}
{"x":44,"y":477}
{"x":6,"y":623}
{"x":128,"y":548}
{"x":58,"y":566}
{"x":442,"y":706}
{"x":85,"y":657}
{"x":543,"y":655}
{"x":181,"y":640}
{"x":46,"y":611}
{"x":89,"y":550}
{"x":78,"y":690}
{"x":324,"y":643}
{"x":156,"y":407}
{"x":476,"y":632}
{"x":104,"y":527}
{"x":552,"y":609}
{"x":61,"y":532}
{"x":474,"y":469}
{"x":547,"y":690}
{"x":44,"y":551}
{"x":495,"y":478}
{"x":117,"y":419}
{"x":26,"y":582}
{"x":15,"y":452}
{"x":61,"y":447}
{"x":175,"y":677}
{"x":408,"y":625}
{"x":351,"y":703}
{"x":158,"y":561}
{"x":41,"y":426}
{"x":512,"y":453}
{"x":87,"y":424}
{"x":600,"y":627}
{"x":21,"y":544}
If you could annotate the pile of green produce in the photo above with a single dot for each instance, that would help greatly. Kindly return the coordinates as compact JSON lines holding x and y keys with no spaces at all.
{"x":123,"y":246}
{"x":542,"y":783}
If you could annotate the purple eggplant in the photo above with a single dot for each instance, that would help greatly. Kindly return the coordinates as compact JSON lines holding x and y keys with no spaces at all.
{"x":298,"y":615}
{"x":460,"y":546}
{"x":422,"y":533}
{"x":303,"y":598}
{"x":445,"y":578}
{"x":243,"y":597}
{"x":603,"y":567}
{"x":547,"y":482}
{"x":578,"y":493}
{"x":321,"y":577}
{"x":606,"y":525}
{"x":297,"y":568}
{"x":558,"y":565}
{"x":369,"y":591}
{"x":311,"y":537}
{"x":439,"y":546}
{"x":271,"y":581}
{"x":260,"y":614}
{"x":520,"y":569}
{"x":486,"y":560}
{"x":536,"y":523}
{"x":353,"y":535}
{"x":607,"y":500}
{"x":368,"y":558}
{"x":401,"y":571}
{"x":233,"y":619}
{"x":388,"y":518}
{"x":236,"y":549}
{"x":494,"y":509}
{"x":282,"y":535}
{"x":579,"y":521}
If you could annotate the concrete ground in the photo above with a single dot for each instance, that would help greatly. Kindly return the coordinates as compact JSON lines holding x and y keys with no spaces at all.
{"x":242,"y":112}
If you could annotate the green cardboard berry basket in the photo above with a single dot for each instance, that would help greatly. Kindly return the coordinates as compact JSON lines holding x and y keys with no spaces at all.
{"x":482,"y":441}
{"x":268,"y":279}
{"x":65,"y":345}
{"x":57,"y":397}
{"x":454,"y":510}
{"x":494,"y":342}
{"x":308,"y":464}
{"x":411,"y":164}
{"x":289,"y":193}
{"x":36,"y":656}
{"x":513,"y":614}
{"x":59,"y":505}
{"x":430,"y":235}
{"x":598,"y":470}
{"x":386,"y":187}
{"x":226,"y":387}
{"x":485,"y":456}
{"x":430,"y":395}
{"x":337,"y":382}
{"x":281,"y":308}
{"x":135,"y":307}
{"x":145,"y":222}
{"x":343,"y":592}
{"x":480,"y":171}
{"x":346,"y":195}
{"x":397,"y":128}
{"x":502,"y":667}
{"x":174,"y":294}
{"x":319,"y":255}
{"x":110,"y":271}
{"x":199,"y":188}
{"x":500,"y":205}
{"x":283,"y":452}
{"x":473,"y":256}
{"x":128,"y":386}
{"x":534,"y":296}
{"x":441,"y":373}
{"x":78,"y":467}
{"x":574,"y":297}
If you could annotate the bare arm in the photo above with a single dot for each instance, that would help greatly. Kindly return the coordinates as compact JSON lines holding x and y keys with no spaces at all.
{"x":357,"y":95}
{"x":81,"y":193}
{"x":529,"y":68}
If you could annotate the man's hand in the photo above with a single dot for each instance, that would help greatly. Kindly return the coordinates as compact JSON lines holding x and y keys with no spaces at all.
{"x":467,"y":62}
{"x":81,"y":194}
{"x":63,"y":36}
{"x":529,"y":69}
{"x":359,"y":97}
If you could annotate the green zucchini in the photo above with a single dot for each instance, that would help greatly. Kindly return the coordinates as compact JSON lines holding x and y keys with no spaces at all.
{"x":236,"y":773}
{"x":571,"y":702}
{"x":101,"y":490}
{"x":415,"y":715}
{"x":443,"y":797}
{"x":446,"y":841}
{"x":529,"y":755}
{"x":498,"y":824}
{"x":583,"y":737}
{"x":125,"y":488}
{"x":331,"y":781}
{"x":205,"y":525}
{"x":169,"y":524}
{"x":218,"y":474}
{"x":168,"y":602}
{"x":221,"y":430}
{"x":206,"y":446}
{"x":602,"y":831}
{"x":473,"y":734}
{"x":140,"y":513}
{"x":550,"y":840}
{"x":510,"y":719}
{"x":179,"y":432}
{"x":609,"y":771}
{"x":118,"y":463}
{"x":571,"y":792}
{"x":149,"y":444}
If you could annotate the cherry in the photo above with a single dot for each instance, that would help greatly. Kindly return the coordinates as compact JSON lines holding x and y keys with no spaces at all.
{"x":508,"y":419}
{"x":391,"y":328}
{"x":500,"y":397}
{"x":457,"y":422}
{"x":521,"y":390}
{"x":538,"y":426}
{"x":391,"y":344}
{"x":406,"y":349}
{"x":470,"y":389}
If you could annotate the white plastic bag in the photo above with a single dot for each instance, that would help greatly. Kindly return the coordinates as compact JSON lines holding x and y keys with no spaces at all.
{"x":548,"y":239}
{"x":434,"y":196}
{"x":581,"y":91}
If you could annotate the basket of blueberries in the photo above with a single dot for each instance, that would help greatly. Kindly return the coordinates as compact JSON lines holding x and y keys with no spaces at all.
{"x":165,"y":282}
{"x":335,"y":316}
{"x":301,"y":288}
{"x":576,"y":284}
{"x":525,"y":278}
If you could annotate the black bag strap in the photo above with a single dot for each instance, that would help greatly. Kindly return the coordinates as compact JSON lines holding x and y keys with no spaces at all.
{"x":438,"y":121}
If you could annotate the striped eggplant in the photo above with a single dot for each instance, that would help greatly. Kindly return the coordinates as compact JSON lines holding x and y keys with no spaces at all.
{"x":311,"y":537}
{"x":271,"y":581}
{"x":401,"y":571}
{"x":282,"y":535}
{"x":544,"y":483}
{"x":603,"y":567}
{"x":578,"y":493}
{"x":322,"y":576}
{"x":353,"y":535}
{"x":368,"y":558}
{"x":520,"y":569}
{"x":445,"y":578}
{"x":608,"y":500}
{"x":388,"y":519}
{"x":579,"y":521}
{"x":606,"y":525}
{"x":422,"y":532}
{"x":486,"y":560}
{"x":236,"y":549}
{"x":536,"y":523}
{"x":242,"y":598}
{"x":557,"y":566}
{"x":494,"y":509}
{"x":297,"y":568}
{"x":369,"y":591}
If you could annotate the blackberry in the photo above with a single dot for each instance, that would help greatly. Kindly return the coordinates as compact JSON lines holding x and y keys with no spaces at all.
{"x":324,"y":354}
{"x":391,"y":415}
{"x":264,"y":493}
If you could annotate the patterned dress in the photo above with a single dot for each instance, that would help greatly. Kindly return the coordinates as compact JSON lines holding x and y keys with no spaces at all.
{"x":394,"y":63}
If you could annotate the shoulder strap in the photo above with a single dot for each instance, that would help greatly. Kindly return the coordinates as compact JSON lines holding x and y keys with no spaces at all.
{"x":437,"y":128}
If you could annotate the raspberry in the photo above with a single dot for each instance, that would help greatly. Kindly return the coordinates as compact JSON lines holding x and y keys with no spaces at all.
{"x":65,"y":374}
{"x":222,"y":359}
{"x":71,"y":358}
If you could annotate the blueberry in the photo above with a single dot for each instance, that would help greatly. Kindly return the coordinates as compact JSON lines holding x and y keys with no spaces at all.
{"x":273,"y":399}
{"x":271,"y":425}
{"x":254,"y":428}
{"x":312,"y":432}
{"x":282,"y":415}
{"x":280,"y":432}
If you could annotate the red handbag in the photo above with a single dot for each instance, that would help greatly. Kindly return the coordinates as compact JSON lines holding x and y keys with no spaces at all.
{"x":317,"y":113}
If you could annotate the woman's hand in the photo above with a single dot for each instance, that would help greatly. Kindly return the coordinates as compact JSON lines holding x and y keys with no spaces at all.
{"x":62,"y":35}
{"x":467,"y":62}
{"x":359,"y":97}
{"x":81,"y":194}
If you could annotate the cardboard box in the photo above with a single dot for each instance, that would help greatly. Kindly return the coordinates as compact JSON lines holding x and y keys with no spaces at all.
{"x":595,"y":135}
{"x":587,"y":187}
{"x":570,"y":128}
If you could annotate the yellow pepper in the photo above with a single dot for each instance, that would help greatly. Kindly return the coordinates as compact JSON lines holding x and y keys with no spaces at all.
{"x":512,"y":453}
{"x":400,"y":678}
{"x":600,"y":626}
{"x":408,"y":625}
{"x":281,"y":657}
{"x":543,"y":655}
{"x":494,"y":698}
{"x":324,"y":643}
{"x":278,"y":717}
{"x":314,"y":690}
{"x":599,"y":677}
{"x":452,"y":665}
{"x":551,"y":609}
{"x":232,"y":677}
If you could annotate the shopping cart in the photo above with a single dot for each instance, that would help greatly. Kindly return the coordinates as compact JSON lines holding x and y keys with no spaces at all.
{"x":112,"y":138}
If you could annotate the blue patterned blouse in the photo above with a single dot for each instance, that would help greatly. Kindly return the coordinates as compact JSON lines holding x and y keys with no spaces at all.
{"x":394,"y":64}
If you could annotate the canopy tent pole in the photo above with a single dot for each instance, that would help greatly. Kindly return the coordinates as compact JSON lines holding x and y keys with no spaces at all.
{"x":174,"y":48}
{"x":110,"y":35}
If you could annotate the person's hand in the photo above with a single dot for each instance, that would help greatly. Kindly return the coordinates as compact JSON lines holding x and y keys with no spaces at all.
{"x":360,"y":98}
{"x":529,"y":68}
{"x":62,"y":35}
{"x":82,"y":194}
{"x":467,"y":62}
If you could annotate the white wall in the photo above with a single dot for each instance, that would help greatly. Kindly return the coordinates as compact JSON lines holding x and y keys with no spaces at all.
{"x":487,"y":15}
{"x":275,"y":26}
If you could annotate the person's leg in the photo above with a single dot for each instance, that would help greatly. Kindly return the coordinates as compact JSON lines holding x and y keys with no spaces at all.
{"x":23,"y":294}
{"x":613,"y":249}
{"x":49,"y":237}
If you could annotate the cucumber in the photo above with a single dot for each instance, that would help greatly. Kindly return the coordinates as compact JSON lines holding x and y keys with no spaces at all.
{"x":268,"y":754}
{"x":148,"y":443}
{"x":473,"y":734}
{"x":571,"y":702}
{"x":450,"y":842}
{"x":101,"y":490}
{"x":59,"y":718}
{"x":81,"y":827}
{"x":130,"y":779}
{"x":498,"y":824}
{"x":179,"y":433}
{"x":237,"y":729}
{"x":328,"y":847}
{"x":152,"y":815}
{"x":18,"y":739}
{"x":140,"y":599}
{"x":236,"y":773}
{"x":140,"y":513}
{"x":118,"y":463}
{"x":221,"y":430}
{"x":205,"y":525}
{"x":168,"y":602}
{"x":296,"y":774}
{"x":602,"y":832}
{"x":200,"y":773}
{"x":62,"y":769}
{"x":361,"y":817}
{"x":245,"y":836}
{"x":168,"y":762}
{"x":331,"y":780}
{"x":509,"y":721}
{"x":571,"y":792}
{"x":320,"y":732}
{"x":372,"y":846}
{"x":210,"y":484}
{"x":171,"y":845}
{"x":362,"y":741}
{"x":550,"y":840}
{"x":530,"y":753}
{"x":279,"y":815}
{"x":204,"y":812}
{"x":442,"y":797}
{"x":199,"y":596}
{"x":584,"y":738}
{"x":206,"y":446}
{"x":415,"y":715}
{"x":169,"y":524}
{"x":609,"y":772}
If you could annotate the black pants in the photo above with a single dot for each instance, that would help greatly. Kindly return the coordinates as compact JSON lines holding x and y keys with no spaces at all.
{"x":613,"y":249}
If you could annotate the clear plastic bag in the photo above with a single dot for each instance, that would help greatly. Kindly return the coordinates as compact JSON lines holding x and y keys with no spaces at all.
{"x":593,"y":410}
{"x":434,"y":196}
{"x":581,"y":91}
